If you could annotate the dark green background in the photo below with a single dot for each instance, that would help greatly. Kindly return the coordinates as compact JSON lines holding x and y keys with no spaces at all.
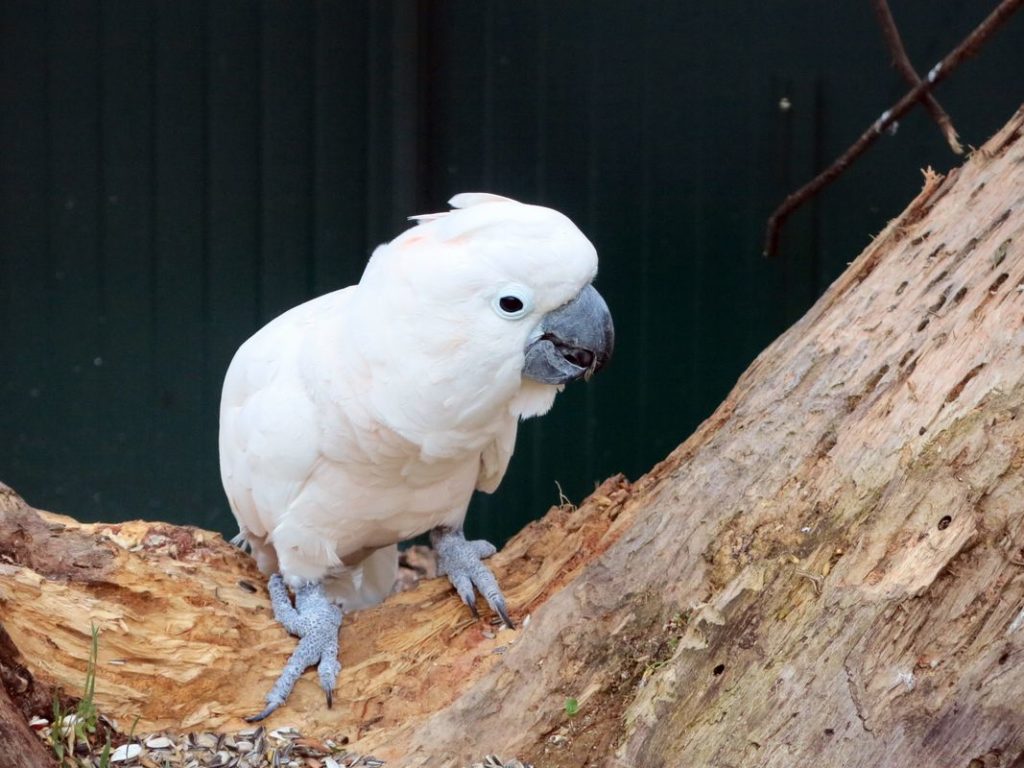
{"x":177,"y":173}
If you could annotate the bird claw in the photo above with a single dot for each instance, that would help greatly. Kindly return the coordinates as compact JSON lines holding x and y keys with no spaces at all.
{"x":262,"y":715}
{"x":471,"y":604}
{"x":316,"y":621}
{"x":502,"y":611}
{"x":460,"y":560}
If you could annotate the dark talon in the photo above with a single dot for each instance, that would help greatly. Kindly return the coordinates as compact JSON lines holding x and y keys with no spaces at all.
{"x":330,"y":699}
{"x":316,"y":621}
{"x":461,"y":561}
{"x":261,"y":715}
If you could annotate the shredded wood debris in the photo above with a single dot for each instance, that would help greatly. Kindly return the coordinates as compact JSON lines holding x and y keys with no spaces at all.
{"x":250,"y":748}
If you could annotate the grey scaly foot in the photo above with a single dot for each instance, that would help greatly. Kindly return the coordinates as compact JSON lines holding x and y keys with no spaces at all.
{"x":460,"y":560}
{"x":316,"y":621}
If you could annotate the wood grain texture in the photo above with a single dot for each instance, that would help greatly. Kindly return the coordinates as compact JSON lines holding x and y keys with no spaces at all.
{"x":20,"y":747}
{"x":830,"y":571}
{"x":20,"y":697}
{"x":188,"y":642}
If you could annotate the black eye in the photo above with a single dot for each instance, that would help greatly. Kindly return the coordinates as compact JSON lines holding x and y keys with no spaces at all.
{"x":510,"y":304}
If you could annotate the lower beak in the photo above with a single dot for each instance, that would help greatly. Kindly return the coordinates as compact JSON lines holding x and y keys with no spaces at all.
{"x":571,"y":342}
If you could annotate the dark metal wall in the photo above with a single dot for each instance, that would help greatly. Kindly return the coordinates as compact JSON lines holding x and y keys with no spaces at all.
{"x":176,"y":173}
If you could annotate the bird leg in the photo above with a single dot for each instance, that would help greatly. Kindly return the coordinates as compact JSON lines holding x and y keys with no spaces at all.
{"x":316,"y":621}
{"x":460,"y":560}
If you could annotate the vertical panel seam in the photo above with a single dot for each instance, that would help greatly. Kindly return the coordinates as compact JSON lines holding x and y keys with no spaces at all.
{"x":313,"y":75}
{"x":260,"y":256}
{"x":206,"y":385}
{"x":101,"y":185}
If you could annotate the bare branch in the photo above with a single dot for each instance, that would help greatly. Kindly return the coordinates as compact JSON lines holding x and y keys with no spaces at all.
{"x":968,"y":47}
{"x":902,"y":63}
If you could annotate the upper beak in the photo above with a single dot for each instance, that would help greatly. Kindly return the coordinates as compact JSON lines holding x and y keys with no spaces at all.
{"x":574,"y":341}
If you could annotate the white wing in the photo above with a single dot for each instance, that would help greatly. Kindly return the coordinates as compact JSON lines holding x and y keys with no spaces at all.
{"x":322,"y":489}
{"x":268,"y":439}
{"x":271,"y":451}
{"x":494,"y":459}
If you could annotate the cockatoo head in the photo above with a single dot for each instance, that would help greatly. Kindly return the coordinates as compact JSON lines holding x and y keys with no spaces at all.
{"x":501,"y":291}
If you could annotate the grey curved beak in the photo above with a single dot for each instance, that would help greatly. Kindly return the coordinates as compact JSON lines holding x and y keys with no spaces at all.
{"x":572,"y":342}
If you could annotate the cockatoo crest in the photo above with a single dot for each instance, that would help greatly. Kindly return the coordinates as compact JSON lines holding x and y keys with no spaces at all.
{"x":430,"y":298}
{"x":462,"y":200}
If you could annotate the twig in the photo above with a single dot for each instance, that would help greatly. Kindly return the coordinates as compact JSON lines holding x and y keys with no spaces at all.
{"x":938,"y":73}
{"x":902,"y":62}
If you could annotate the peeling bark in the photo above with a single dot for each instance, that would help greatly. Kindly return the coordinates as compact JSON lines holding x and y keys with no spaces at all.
{"x":829,"y":571}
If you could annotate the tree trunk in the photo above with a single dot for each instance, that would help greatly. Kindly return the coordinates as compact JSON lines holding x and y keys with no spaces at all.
{"x":18,"y":745}
{"x":830,"y":571}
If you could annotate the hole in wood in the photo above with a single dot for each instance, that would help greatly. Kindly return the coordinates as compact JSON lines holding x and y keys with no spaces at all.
{"x":876,"y":377}
{"x":936,"y":280}
{"x":998,"y":282}
{"x":991,"y":759}
{"x":924,"y":324}
{"x":971,"y":245}
{"x":954,"y":393}
{"x":959,"y":295}
{"x":944,"y":522}
{"x":718,"y":670}
{"x":902,"y":288}
{"x":999,"y":222}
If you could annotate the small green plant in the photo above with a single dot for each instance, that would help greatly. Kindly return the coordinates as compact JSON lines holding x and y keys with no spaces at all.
{"x":572,"y":707}
{"x":70,"y":728}
{"x":86,"y":709}
{"x":56,"y":730}
{"x":105,"y":754}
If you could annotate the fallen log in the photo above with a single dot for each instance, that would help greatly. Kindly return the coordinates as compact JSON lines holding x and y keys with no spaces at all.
{"x":829,"y":571}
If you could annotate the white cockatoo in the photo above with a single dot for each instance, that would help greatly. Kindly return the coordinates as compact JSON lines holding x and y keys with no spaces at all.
{"x":370,"y":415}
